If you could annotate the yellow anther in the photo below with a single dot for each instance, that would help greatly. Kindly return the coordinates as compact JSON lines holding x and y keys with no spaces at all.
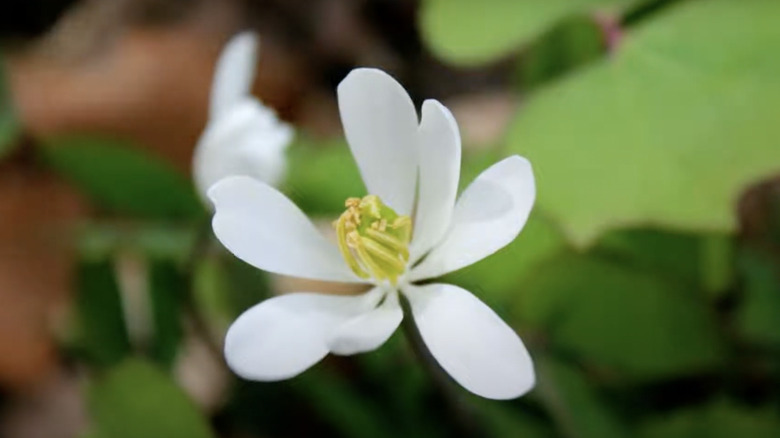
{"x":374,"y":239}
{"x":344,"y":244}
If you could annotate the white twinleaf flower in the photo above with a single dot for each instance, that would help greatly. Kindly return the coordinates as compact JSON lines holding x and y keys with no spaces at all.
{"x":242,"y":137}
{"x":409,"y":229}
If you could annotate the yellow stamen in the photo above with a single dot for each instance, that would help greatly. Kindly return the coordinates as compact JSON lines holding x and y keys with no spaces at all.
{"x":393,"y":243}
{"x":383,"y":254}
{"x":374,"y":239}
{"x":341,"y":231}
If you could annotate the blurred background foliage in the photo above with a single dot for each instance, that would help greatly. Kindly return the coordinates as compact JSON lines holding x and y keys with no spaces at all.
{"x":646,"y":283}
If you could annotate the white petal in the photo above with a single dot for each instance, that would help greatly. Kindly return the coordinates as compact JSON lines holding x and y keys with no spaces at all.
{"x":234,"y":72}
{"x":262,"y":227}
{"x":283,"y":336}
{"x":248,"y":140}
{"x":380,"y":123}
{"x":439,"y":143}
{"x":368,"y":331}
{"x":489,"y":214}
{"x":479,"y":350}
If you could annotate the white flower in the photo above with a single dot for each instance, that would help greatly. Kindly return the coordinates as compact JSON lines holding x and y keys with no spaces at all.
{"x":283,"y":336}
{"x":242,"y":137}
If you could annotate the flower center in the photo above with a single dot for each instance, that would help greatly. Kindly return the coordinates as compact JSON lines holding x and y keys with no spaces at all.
{"x":374,"y":239}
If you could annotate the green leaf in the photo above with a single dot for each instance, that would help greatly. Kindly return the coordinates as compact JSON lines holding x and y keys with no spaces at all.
{"x":620,"y":317}
{"x":757,"y":317}
{"x":672,"y":254}
{"x":123,"y":179}
{"x":721,"y":419}
{"x":159,"y":240}
{"x":472,"y":32}
{"x":667,"y":131}
{"x":700,"y":260}
{"x":9,"y":125}
{"x":717,"y":266}
{"x":322,"y":176}
{"x":102,"y":333}
{"x":576,"y":407}
{"x":167,"y":292}
{"x":136,"y":399}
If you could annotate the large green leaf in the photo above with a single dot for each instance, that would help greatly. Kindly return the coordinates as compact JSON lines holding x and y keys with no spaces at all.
{"x":667,"y":131}
{"x":470,"y":32}
{"x":123,"y":179}
{"x":721,"y":419}
{"x":621,"y":317}
{"x":136,"y":399}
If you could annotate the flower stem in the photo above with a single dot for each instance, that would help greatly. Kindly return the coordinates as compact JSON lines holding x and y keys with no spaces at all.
{"x":464,"y":413}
